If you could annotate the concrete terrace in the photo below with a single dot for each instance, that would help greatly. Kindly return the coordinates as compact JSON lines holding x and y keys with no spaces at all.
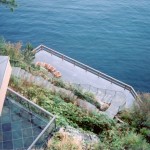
{"x":76,"y":72}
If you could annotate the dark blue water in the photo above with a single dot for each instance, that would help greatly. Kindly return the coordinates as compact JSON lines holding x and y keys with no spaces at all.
{"x":112,"y":36}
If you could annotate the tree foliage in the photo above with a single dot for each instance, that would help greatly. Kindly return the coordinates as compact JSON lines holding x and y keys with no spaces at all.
{"x":19,"y":57}
{"x":28,"y":53}
{"x":9,"y":3}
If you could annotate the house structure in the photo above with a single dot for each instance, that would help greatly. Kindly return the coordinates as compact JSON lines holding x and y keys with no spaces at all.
{"x":23,"y":124}
{"x":5,"y":73}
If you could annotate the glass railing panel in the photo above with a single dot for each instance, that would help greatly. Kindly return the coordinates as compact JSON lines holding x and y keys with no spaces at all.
{"x":42,"y":123}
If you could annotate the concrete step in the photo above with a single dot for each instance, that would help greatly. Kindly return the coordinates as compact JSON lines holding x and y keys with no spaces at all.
{"x":108,"y":98}
{"x":101,"y":94}
{"x":112,"y":111}
{"x":117,"y":104}
{"x":117,"y":99}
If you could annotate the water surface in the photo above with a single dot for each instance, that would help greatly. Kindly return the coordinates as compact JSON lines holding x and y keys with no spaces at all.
{"x":110,"y":36}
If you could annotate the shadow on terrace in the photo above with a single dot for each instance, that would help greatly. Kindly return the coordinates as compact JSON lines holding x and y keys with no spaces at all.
{"x":23,"y":124}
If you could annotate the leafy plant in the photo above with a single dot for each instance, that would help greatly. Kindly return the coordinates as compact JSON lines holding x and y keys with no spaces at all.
{"x":139,"y":116}
{"x":28,"y":54}
{"x":69,"y":112}
{"x":9,"y":3}
{"x":58,"y":82}
{"x":89,"y":97}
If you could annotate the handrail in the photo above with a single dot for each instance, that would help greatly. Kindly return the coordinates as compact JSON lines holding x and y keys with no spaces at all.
{"x":120,"y":107}
{"x":87,"y":68}
{"x":43,"y":131}
{"x":78,"y":84}
{"x":100,"y":89}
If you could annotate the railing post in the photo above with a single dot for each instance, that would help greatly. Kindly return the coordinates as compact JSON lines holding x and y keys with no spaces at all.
{"x":98,"y":75}
{"x":41,"y":48}
{"x":86,"y":69}
{"x":62,"y":57}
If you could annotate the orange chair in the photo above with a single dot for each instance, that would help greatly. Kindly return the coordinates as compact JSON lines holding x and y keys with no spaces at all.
{"x":57,"y":74}
{"x":46,"y":66}
{"x":53,"y":69}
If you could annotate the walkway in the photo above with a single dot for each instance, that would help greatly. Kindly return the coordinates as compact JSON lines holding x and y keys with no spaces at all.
{"x":74,"y":74}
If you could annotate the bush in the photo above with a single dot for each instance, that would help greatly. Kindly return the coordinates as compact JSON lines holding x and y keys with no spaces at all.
{"x":18,"y":57}
{"x":62,"y":141}
{"x":89,"y":97}
{"x":112,"y":135}
{"x":134,"y":141}
{"x":139,"y":116}
{"x":58,"y":82}
{"x":122,"y":138}
{"x":68,"y":112}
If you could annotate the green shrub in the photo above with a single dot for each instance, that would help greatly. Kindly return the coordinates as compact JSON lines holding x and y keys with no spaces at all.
{"x":58,"y":82}
{"x":139,"y":116}
{"x":18,"y":57}
{"x":134,"y":141}
{"x":146,"y":133}
{"x":121,"y":138}
{"x":68,"y":112}
{"x":89,"y":97}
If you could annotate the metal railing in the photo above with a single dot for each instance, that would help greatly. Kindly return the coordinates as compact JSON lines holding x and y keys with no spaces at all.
{"x":36,"y":110}
{"x":42,"y":139}
{"x":89,"y":69}
{"x":121,"y":107}
{"x":105,"y":92}
{"x":91,"y":88}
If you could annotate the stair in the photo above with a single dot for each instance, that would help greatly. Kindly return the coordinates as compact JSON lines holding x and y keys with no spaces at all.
{"x":112,"y":111}
{"x":46,"y":84}
{"x":117,"y":102}
{"x":117,"y":99}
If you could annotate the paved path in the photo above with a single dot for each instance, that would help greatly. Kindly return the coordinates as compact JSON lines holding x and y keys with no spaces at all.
{"x":76,"y":74}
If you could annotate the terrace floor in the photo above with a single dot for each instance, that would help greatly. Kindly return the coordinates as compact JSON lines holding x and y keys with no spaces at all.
{"x":75,"y":74}
{"x":18,"y":130}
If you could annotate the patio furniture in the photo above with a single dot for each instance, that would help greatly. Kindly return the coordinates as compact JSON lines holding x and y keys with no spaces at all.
{"x":57,"y":74}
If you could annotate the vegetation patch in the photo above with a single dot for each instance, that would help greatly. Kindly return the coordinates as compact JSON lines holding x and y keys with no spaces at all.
{"x":138,"y":117}
{"x":134,"y":133}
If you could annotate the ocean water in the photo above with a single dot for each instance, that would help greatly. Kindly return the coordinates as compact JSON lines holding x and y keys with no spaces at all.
{"x":112,"y":36}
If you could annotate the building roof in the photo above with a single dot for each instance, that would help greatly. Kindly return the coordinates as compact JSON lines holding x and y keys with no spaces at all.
{"x":3,"y":64}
